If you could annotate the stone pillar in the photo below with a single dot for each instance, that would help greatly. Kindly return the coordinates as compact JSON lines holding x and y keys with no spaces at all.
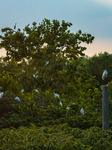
{"x":105,"y":105}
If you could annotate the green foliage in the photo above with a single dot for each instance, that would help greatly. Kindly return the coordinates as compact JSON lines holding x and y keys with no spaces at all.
{"x":44,"y":41}
{"x":49,"y":99}
{"x":55,"y":138}
{"x":43,"y":108}
{"x":97,"y":64}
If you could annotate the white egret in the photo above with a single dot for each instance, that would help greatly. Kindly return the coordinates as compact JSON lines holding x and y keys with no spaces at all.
{"x":47,"y":62}
{"x":37,"y":91}
{"x":61,"y":103}
{"x":82,"y":111}
{"x":17,"y":98}
{"x":68,"y":108}
{"x":104,"y":75}
{"x":56,"y":95}
{"x":22,"y":91}
{"x":1,"y":94}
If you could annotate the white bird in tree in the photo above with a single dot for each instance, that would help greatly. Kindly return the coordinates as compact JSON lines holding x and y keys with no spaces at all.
{"x":82,"y":111}
{"x":61,"y":103}
{"x":104,"y":75}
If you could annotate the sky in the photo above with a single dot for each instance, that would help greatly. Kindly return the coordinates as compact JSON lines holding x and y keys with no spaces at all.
{"x":90,"y":16}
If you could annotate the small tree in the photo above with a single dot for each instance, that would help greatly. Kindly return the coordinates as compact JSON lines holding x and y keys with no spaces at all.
{"x":97,"y":64}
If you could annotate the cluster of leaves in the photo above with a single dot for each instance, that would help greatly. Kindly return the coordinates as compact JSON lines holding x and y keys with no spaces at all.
{"x":55,"y":138}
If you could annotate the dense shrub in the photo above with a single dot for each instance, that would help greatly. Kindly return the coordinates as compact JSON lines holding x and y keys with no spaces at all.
{"x":57,"y":137}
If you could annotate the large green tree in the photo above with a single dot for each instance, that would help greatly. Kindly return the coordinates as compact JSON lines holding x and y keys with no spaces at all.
{"x":47,"y":47}
{"x":43,"y":70}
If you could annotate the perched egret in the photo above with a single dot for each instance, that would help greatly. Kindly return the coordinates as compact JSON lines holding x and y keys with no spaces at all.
{"x":82,"y":111}
{"x":56,"y":95}
{"x":1,"y":94}
{"x":104,"y":75}
{"x":23,"y":71}
{"x":68,"y":108}
{"x":34,"y":75}
{"x":37,"y":91}
{"x":22,"y":91}
{"x":61,"y":103}
{"x":47,"y":62}
{"x":65,"y":63}
{"x":17,"y":98}
{"x":34,"y":68}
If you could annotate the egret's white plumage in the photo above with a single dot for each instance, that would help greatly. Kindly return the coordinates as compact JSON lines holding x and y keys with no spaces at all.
{"x":56,"y":95}
{"x":1,"y":94}
{"x":17,"y":98}
{"x":68,"y":108}
{"x":104,"y":75}
{"x":61,"y":103}
{"x":82,"y":111}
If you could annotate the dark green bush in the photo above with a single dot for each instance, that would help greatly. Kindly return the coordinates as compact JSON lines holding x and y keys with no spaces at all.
{"x":57,"y":137}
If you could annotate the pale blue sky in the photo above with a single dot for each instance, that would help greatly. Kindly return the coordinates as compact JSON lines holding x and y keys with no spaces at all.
{"x":91,"y":16}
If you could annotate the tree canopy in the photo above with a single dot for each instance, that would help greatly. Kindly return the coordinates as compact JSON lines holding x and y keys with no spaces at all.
{"x":45,"y":41}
